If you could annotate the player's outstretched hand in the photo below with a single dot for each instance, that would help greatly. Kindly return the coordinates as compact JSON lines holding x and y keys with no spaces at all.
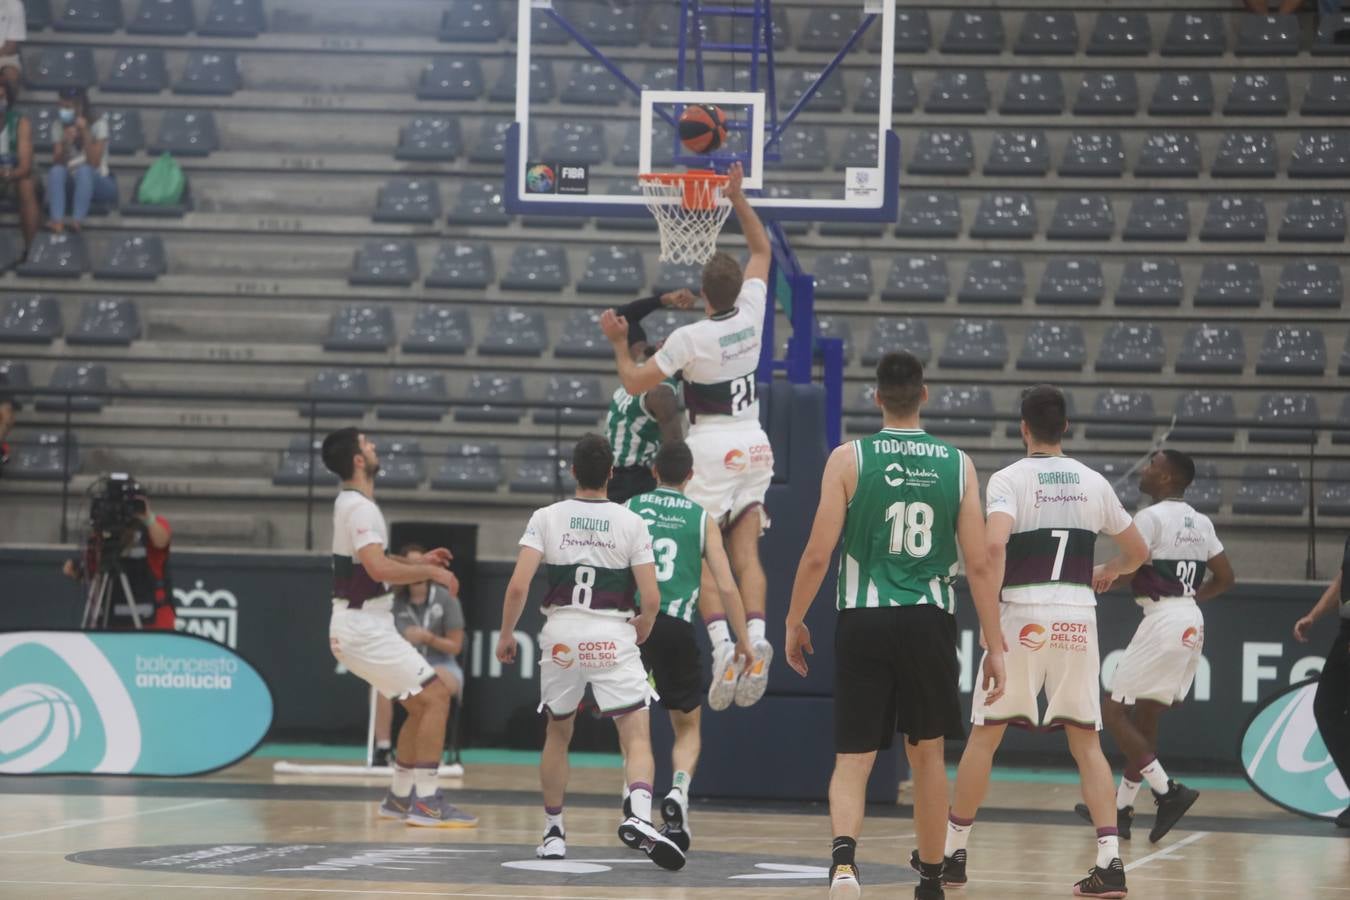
{"x":995,"y":677}
{"x":735,"y":175}
{"x":506,"y":648}
{"x":1102,"y":579}
{"x":1301,"y":629}
{"x":798,"y":647}
{"x":446,"y":579}
{"x":681,"y":299}
{"x":614,"y":326}
{"x":441,"y":556}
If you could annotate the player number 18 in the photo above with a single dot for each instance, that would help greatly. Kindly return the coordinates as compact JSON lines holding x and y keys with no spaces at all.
{"x":911,"y":528}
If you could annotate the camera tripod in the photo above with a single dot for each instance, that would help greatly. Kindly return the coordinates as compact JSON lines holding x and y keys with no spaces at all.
{"x":98,"y":601}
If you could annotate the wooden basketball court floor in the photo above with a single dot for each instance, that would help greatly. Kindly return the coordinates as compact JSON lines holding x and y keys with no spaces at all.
{"x":246,"y":832}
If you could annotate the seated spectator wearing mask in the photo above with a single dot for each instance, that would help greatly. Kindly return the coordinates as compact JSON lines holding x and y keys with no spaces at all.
{"x":16,"y":161}
{"x":79,"y":163}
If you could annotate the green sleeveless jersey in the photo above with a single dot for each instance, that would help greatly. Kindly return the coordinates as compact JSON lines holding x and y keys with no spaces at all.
{"x":632,"y":432}
{"x":900,"y":530}
{"x":677,"y":527}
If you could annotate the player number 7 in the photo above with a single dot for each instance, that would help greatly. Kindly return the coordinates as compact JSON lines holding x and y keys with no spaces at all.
{"x":1062,"y":536}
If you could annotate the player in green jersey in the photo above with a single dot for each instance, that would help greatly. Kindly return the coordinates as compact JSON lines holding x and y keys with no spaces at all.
{"x":904,"y":502}
{"x":683,"y":537}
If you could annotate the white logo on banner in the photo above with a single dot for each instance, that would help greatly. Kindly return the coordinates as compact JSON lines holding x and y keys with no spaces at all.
{"x":213,"y":615}
{"x":40,"y":719}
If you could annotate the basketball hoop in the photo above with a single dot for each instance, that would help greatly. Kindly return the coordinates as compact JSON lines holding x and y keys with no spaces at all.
{"x":690,"y":211}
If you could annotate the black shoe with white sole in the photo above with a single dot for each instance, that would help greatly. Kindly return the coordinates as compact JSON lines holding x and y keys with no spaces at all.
{"x":638,"y":834}
{"x":676,"y":821}
{"x":1171,"y":807}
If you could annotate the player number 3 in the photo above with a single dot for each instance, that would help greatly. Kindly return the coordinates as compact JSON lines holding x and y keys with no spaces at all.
{"x":911,"y":528}
{"x":665,"y":550}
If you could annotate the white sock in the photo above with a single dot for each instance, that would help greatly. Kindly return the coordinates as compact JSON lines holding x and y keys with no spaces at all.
{"x":756,"y":627}
{"x":424,"y":779}
{"x":1157,"y":778}
{"x":680,"y":782}
{"x":403,"y":781}
{"x":384,"y":745}
{"x":1108,"y":848}
{"x":640,"y":798}
{"x":1127,"y":792}
{"x":718,"y":631}
{"x":552,"y":821}
{"x":957,"y":835}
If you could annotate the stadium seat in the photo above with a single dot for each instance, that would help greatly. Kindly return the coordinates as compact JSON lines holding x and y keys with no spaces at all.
{"x":662,"y":27}
{"x":11,"y":249}
{"x":581,"y":337}
{"x":134,"y":257}
{"x":782,"y":29}
{"x":1267,"y":36}
{"x":479,"y":203}
{"x":38,"y":14}
{"x":408,"y":200}
{"x":1212,"y":349}
{"x":943,"y":151}
{"x":802,"y":149}
{"x":1082,"y":217}
{"x":959,"y":412}
{"x":1107,"y":94}
{"x":360,"y":327}
{"x":1281,"y":415}
{"x":1246,"y":154}
{"x":430,"y":139}
{"x":1328,"y":94}
{"x":660,"y":324}
{"x":1120,"y":34}
{"x":406,"y":388}
{"x":490,"y":145}
{"x":1320,"y":219}
{"x":42,"y":117}
{"x":1230,"y":283}
{"x":1205,"y":493}
{"x":542,"y":86}
{"x":1118,"y":407}
{"x":1018,"y":154}
{"x":1182,"y":94}
{"x":537,"y":268}
{"x":591,"y":84}
{"x":613,"y":270}
{"x":439,"y":329}
{"x":1131,"y":347}
{"x":917,"y":277}
{"x":543,"y":471}
{"x":462,"y":264}
{"x":1321,"y":154}
{"x":958,"y":91}
{"x":1033,"y":93}
{"x":544,"y":31}
{"x":913,"y":32}
{"x":385,"y":262}
{"x":1093,"y":154}
{"x":673,"y":276}
{"x":858,"y":148}
{"x":1329,"y":39}
{"x":233,"y":18}
{"x":1158,"y":217}
{"x":401,"y":463}
{"x":1005,"y":216}
{"x":469,"y":467}
{"x":861,"y":414}
{"x":929,"y":214}
{"x":1169,"y":154}
{"x":30,"y":320}
{"x":54,"y":68}
{"x":293,"y":466}
{"x":137,"y":72}
{"x":125,"y":134}
{"x":1205,"y":415}
{"x":177,"y":210}
{"x":571,"y":400}
{"x":976,"y":31}
{"x":843,"y":276}
{"x":1047,"y":34}
{"x":338,"y":394}
{"x":492,"y":397}
{"x":792,"y":85}
{"x":1195,"y":34}
{"x":163,"y":17}
{"x":473,"y":21}
{"x":890,"y":334}
{"x":998,"y":279}
{"x":1334,"y":499}
{"x":1271,"y":488}
{"x":214,"y":72}
{"x":1341,"y":436}
{"x":975,"y":344}
{"x":1258,"y":94}
{"x":1150,"y":281}
{"x":582,"y":143}
{"x":1344,"y":367}
{"x":514,"y":332}
{"x":1053,"y":346}
{"x":1292,"y":350}
{"x":904,"y":93}
{"x":70,"y":378}
{"x":451,"y":78}
{"x":1072,"y":281}
{"x":1310,"y":283}
{"x":55,"y":256}
{"x":43,"y":457}
{"x":1234,"y":217}
{"x":186,"y":132}
{"x":827,"y":30}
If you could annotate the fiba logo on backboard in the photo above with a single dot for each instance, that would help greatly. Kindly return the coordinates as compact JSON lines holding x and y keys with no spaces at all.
{"x":38,"y":723}
{"x":213,"y":615}
{"x":1032,"y":636}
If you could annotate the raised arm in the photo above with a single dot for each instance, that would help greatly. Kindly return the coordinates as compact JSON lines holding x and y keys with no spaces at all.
{"x":840,"y":473}
{"x":636,"y":378}
{"x":527,"y":563}
{"x":756,"y":238}
{"x":392,"y":572}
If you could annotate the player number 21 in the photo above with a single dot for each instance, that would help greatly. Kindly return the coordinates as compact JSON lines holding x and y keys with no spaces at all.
{"x":742,"y":393}
{"x":911,"y":528}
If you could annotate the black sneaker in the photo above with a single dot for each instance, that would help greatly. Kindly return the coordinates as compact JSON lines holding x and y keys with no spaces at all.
{"x":381,"y":756}
{"x":1171,"y":807}
{"x":929,"y":892}
{"x":1343,"y":820}
{"x":1124,"y":819}
{"x":953,"y":868}
{"x":675,"y":823}
{"x":1107,"y":882}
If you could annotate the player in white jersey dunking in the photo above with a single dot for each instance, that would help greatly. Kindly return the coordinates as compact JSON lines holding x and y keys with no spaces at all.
{"x":717,"y":358}
{"x":1044,"y":515}
{"x":364,"y":638}
{"x":596,"y":556}
{"x":1159,"y":665}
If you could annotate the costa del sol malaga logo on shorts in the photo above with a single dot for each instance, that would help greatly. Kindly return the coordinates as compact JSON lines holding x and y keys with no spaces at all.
{"x":1286,"y":760}
{"x":1190,"y":638}
{"x":1032,"y":636}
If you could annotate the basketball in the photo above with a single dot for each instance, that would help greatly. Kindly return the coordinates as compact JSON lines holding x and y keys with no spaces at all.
{"x":703,"y":128}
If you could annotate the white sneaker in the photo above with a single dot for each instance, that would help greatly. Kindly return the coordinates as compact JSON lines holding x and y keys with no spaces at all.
{"x":726,"y":670}
{"x":754,"y":681}
{"x":638,"y":834}
{"x":844,"y":884}
{"x":675,"y":814}
{"x":554,"y":845}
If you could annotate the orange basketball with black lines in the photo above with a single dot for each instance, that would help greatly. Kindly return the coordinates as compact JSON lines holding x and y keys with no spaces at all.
{"x":703,"y":128}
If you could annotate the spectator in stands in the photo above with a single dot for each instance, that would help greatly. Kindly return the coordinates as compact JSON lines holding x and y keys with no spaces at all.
{"x":6,"y":419}
{"x":431,"y":619}
{"x":13,"y":31}
{"x":16,"y":161}
{"x":79,"y":160}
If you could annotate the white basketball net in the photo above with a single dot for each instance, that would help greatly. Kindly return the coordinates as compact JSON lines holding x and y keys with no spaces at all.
{"x":690,"y":212}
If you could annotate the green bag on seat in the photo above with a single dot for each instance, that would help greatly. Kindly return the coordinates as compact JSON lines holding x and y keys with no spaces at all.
{"x":163,"y":183}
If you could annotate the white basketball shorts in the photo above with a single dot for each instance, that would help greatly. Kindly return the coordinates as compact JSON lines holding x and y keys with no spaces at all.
{"x":1160,"y":662}
{"x":367,"y":643}
{"x":1051,"y":647}
{"x":733,"y":468}
{"x":580,"y":648}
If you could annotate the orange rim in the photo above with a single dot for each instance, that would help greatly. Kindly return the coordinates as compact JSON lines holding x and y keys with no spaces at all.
{"x":698,"y":187}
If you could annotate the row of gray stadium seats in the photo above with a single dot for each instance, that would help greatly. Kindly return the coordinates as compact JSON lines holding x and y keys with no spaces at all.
{"x":223,"y":18}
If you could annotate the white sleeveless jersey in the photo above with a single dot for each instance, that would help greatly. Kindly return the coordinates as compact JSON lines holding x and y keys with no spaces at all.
{"x":1180,"y":542}
{"x":357,"y":523}
{"x":590,"y":548}
{"x":1058,"y":507}
{"x":717,"y":357}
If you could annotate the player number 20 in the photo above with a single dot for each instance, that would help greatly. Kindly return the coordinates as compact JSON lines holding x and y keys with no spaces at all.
{"x":665,"y":550}
{"x":911,"y":528}
{"x":585,"y":586}
{"x":742,"y":393}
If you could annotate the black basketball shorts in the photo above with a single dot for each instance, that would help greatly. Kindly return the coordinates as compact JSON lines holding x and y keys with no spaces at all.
{"x":629,"y":481}
{"x":672,"y":658}
{"x":896,"y":670}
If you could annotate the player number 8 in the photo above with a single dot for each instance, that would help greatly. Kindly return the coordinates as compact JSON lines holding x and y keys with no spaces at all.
{"x":581,"y":594}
